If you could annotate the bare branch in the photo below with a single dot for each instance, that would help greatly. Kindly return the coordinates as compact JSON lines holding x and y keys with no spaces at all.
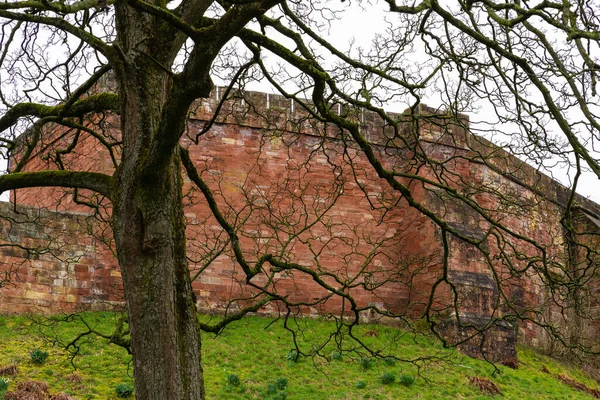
{"x":83,"y":180}
{"x":95,"y":103}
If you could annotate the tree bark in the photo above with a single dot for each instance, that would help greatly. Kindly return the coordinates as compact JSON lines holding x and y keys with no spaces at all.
{"x":165,"y":334}
{"x":150,"y":237}
{"x":149,"y":228}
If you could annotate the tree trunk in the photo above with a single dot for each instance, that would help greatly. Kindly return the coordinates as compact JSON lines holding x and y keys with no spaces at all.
{"x":165,"y":334}
{"x":149,"y":227}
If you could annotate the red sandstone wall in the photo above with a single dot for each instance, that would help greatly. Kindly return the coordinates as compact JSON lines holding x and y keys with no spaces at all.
{"x":282,"y":191}
{"x":275,"y":184}
{"x":289,"y":180}
{"x":526,"y":261}
{"x":53,"y":264}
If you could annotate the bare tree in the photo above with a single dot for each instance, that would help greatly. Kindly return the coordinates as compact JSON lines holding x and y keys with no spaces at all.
{"x":162,"y":55}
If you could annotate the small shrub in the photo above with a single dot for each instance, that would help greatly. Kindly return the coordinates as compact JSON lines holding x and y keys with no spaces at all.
{"x":388,"y":378}
{"x":366,"y":363}
{"x":271,"y":389}
{"x":275,"y":389}
{"x":233,"y":380}
{"x":4,"y":382}
{"x":124,"y":390}
{"x":361,"y":384}
{"x":389,"y":361}
{"x":279,"y":396}
{"x":292,"y":356}
{"x":336,"y":355}
{"x":281,"y":383}
{"x":38,"y":356}
{"x":406,"y":380}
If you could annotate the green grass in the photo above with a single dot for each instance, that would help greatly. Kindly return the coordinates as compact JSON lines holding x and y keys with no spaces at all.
{"x":251,"y":359}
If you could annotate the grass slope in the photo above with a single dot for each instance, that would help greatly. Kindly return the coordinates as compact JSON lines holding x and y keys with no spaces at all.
{"x":253,"y":359}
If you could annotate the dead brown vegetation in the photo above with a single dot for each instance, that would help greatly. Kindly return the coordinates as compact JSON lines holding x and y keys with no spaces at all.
{"x":567,"y":380}
{"x":9,"y":370}
{"x":75,"y":378}
{"x":485,"y":385}
{"x":34,"y":390}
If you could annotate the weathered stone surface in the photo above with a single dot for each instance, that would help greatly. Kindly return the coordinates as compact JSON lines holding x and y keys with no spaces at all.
{"x":54,"y":265}
{"x":288,"y":178}
{"x":482,"y":337}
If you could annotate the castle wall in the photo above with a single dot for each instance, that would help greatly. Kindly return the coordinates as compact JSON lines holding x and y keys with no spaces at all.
{"x":297,"y":196}
{"x":49,"y":263}
{"x":293,"y":187}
